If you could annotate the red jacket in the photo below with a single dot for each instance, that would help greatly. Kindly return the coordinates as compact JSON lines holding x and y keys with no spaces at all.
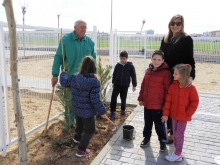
{"x":154,"y":87}
{"x":181,"y":103}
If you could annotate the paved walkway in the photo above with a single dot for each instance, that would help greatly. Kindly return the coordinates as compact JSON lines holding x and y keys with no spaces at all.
{"x":201,"y":145}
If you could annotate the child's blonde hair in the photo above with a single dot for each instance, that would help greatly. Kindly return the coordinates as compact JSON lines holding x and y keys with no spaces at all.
{"x":184,"y":71}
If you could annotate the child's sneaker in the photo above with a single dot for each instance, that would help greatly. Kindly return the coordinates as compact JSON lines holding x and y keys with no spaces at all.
{"x":163,"y":146}
{"x":145,"y":142}
{"x":122,"y":112}
{"x":81,"y":153}
{"x":112,"y":116}
{"x":173,"y":157}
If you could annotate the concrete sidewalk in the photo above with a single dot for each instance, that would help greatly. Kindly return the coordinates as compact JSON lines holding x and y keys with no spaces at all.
{"x":201,"y":145}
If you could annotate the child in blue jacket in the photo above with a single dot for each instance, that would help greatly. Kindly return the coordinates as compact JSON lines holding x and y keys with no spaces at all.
{"x":85,"y":90}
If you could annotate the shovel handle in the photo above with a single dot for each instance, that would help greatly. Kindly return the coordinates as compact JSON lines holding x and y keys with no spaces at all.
{"x":48,"y":114}
{"x":109,"y":120}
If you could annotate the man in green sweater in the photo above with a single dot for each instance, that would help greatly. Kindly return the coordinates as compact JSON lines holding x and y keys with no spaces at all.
{"x":75,"y":46}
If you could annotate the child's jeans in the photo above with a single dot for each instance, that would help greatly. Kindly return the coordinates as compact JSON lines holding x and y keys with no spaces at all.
{"x":123,"y":90}
{"x":179,"y":128}
{"x":85,"y":128}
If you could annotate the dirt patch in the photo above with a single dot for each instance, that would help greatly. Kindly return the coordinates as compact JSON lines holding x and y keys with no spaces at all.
{"x":57,"y":147}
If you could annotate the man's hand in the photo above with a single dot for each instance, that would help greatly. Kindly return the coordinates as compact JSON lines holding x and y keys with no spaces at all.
{"x":54,"y":81}
{"x":164,"y":119}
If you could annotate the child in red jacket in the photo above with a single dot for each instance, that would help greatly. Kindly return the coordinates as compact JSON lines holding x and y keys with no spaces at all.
{"x":181,"y":103}
{"x":152,"y":96}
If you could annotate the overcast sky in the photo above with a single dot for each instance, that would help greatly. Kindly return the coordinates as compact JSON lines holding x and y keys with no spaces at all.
{"x":127,"y":15}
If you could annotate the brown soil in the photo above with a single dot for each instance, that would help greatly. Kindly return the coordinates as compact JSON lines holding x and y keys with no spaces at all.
{"x":57,"y":147}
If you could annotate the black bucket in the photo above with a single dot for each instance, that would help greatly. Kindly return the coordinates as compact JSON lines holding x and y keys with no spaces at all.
{"x":128,"y":131}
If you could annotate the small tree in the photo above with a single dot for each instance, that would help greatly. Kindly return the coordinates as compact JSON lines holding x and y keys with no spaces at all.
{"x":64,"y":97}
{"x":104,"y":77}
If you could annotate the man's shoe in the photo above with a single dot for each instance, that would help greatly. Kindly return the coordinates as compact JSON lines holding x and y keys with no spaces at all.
{"x":112,"y":116}
{"x":145,"y":142}
{"x":163,"y":146}
{"x":81,"y":153}
{"x":173,"y":158}
{"x":122,"y":112}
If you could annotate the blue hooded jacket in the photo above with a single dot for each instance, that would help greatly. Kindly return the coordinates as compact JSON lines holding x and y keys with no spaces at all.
{"x":85,"y":94}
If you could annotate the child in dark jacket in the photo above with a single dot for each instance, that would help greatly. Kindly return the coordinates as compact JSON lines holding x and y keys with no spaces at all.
{"x":152,"y":95}
{"x":123,"y":72}
{"x":181,"y":103}
{"x":85,"y":89}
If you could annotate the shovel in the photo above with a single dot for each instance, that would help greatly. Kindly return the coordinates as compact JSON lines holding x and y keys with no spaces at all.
{"x":112,"y":122}
{"x":48,"y":115}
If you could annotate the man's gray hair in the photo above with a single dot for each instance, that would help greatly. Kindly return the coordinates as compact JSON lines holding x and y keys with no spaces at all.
{"x":78,"y":21}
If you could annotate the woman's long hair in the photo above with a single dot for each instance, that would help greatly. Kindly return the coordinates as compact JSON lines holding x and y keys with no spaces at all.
{"x":87,"y":66}
{"x":179,"y":35}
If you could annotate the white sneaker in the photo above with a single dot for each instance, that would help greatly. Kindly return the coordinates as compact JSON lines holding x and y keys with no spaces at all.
{"x":173,"y":157}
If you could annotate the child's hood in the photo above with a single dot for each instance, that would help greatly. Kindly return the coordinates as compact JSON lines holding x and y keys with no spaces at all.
{"x":84,"y":83}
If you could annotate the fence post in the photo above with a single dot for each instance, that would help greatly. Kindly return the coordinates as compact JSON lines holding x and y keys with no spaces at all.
{"x":118,"y":43}
{"x":94,"y":37}
{"x":5,"y":83}
{"x":111,"y":48}
{"x":115,"y":47}
{"x":145,"y":51}
{"x":2,"y":128}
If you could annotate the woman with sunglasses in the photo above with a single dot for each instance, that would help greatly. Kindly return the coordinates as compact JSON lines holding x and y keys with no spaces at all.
{"x":178,"y":48}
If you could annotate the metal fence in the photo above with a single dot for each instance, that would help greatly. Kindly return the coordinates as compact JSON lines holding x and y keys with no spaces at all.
{"x":36,"y":49}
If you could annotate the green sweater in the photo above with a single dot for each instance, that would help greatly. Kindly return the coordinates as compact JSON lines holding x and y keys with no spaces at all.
{"x":74,"y":51}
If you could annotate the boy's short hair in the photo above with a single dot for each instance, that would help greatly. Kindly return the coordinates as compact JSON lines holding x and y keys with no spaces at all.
{"x":124,"y":54}
{"x":158,"y":52}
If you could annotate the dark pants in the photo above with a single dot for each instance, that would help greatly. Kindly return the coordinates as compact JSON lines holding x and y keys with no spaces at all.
{"x":85,"y":129}
{"x":123,"y":90}
{"x":150,"y":117}
{"x":169,"y":125}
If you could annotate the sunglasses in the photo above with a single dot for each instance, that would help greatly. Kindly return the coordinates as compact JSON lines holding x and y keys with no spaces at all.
{"x":177,"y":23}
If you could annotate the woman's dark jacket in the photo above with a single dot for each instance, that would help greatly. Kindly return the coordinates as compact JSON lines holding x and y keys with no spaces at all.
{"x":123,"y":74}
{"x":180,"y":52}
{"x":85,"y":94}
